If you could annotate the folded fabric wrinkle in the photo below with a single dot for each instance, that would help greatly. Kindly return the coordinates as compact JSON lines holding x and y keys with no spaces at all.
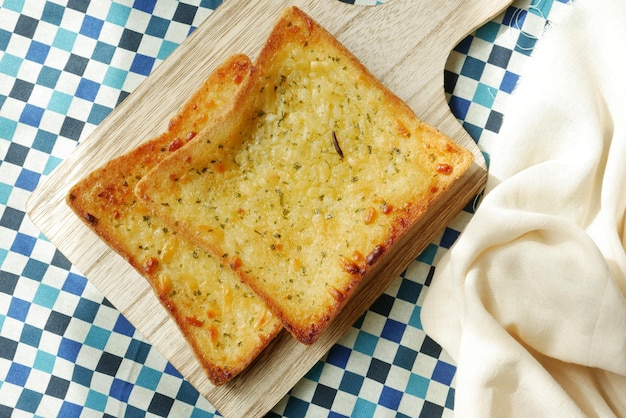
{"x":531,"y":300}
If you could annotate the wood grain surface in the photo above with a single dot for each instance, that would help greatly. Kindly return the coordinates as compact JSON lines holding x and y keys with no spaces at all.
{"x":405,"y":43}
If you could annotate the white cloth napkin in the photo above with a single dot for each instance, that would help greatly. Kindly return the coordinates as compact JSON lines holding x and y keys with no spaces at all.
{"x":531,"y":300}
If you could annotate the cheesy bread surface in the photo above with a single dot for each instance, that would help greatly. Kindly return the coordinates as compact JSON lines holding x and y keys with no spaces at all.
{"x":309,"y":181}
{"x":226,"y":324}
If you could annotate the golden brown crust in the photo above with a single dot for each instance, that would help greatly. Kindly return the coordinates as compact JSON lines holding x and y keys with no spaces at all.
{"x":201,"y":295}
{"x":306,"y":186}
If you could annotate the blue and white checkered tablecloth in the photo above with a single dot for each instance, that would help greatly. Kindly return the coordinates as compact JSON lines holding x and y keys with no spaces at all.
{"x":64,"y":349}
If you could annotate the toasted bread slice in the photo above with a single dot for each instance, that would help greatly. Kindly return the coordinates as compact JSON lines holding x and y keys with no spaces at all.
{"x":223,"y":320}
{"x":310,"y":181}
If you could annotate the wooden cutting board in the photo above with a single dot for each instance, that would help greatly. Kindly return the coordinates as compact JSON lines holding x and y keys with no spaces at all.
{"x":405,"y":43}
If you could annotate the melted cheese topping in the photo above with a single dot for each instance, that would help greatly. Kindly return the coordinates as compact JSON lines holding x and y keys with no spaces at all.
{"x":218,"y":313}
{"x":225,"y":322}
{"x":315,"y":187}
